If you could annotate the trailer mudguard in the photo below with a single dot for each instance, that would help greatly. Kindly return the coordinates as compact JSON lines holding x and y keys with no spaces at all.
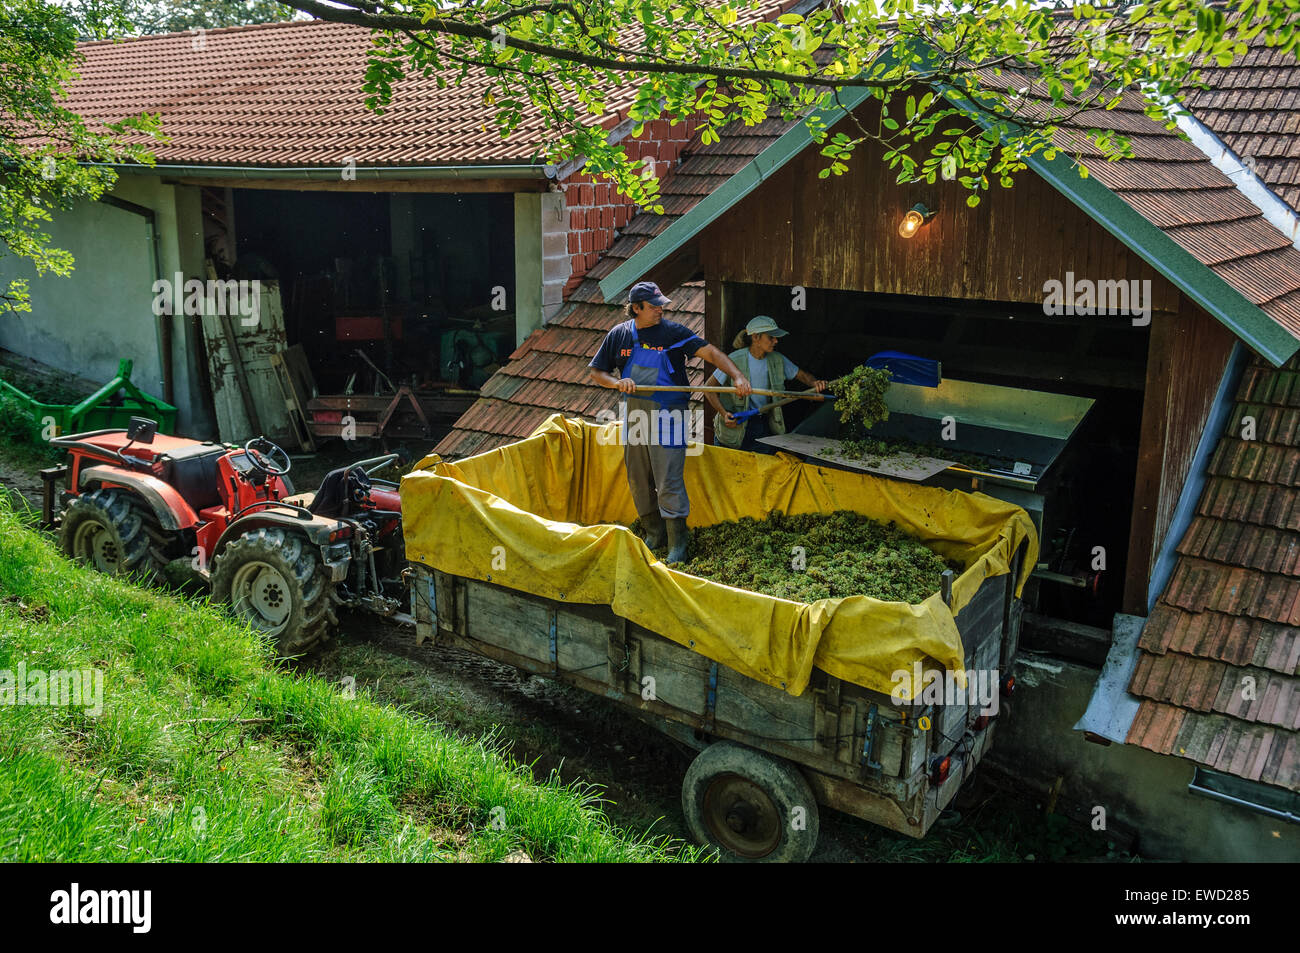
{"x":169,"y":506}
{"x":541,"y":516}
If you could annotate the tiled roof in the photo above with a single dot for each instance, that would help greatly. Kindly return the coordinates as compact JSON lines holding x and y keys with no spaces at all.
{"x":548,"y":372}
{"x":290,"y":94}
{"x":1176,"y":187}
{"x":287,"y":94}
{"x":1218,"y":667}
{"x":1254,"y":107}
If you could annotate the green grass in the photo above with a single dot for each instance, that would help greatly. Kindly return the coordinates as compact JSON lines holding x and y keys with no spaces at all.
{"x":205,"y":750}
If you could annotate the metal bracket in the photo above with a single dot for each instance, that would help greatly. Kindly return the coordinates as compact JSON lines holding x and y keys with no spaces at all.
{"x":711,"y":699}
{"x":554,"y":639}
{"x":869,"y":741}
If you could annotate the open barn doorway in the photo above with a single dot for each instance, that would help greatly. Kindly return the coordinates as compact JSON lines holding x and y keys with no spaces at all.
{"x":1081,"y":501}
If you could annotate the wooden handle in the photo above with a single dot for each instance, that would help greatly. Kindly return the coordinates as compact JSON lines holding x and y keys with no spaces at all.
{"x":644,"y":388}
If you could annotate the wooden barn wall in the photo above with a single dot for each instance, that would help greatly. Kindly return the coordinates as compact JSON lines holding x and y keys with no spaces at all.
{"x":841,"y":233}
{"x":1187,"y":355}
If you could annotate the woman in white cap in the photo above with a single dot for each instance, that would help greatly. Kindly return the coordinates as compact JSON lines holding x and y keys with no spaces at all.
{"x":766,"y":370}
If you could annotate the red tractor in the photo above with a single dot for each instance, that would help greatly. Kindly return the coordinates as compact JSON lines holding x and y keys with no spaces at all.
{"x":136,"y":500}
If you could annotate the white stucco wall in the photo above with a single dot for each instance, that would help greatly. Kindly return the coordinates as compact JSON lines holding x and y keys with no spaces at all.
{"x":103,"y":311}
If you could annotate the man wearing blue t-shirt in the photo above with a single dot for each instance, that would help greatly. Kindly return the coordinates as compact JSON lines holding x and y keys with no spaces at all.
{"x":647,"y":350}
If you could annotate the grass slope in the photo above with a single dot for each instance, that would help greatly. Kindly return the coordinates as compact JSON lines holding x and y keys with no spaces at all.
{"x":207,"y":751}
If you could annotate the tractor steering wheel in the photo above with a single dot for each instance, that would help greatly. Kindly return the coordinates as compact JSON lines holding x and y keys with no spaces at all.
{"x":264,"y":462}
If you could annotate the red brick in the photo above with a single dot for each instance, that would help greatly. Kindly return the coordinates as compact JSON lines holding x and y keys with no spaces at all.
{"x":659,"y":129}
{"x":602,"y":193}
{"x":670,"y":151}
{"x":574,"y":241}
{"x":606,"y":217}
{"x":620,"y":216}
{"x":588,"y":241}
{"x":576,"y":263}
{"x":662,"y":169}
{"x":603,"y":238}
{"x":577,"y":219}
{"x":592,"y":258}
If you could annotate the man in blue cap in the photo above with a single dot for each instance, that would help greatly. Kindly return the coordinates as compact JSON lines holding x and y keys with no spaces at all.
{"x":647,"y":350}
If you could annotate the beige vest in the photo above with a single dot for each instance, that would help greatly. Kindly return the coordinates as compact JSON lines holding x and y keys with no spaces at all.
{"x":734,"y":436}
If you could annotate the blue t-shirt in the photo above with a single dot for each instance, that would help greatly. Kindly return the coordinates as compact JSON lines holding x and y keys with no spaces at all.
{"x":616,"y":349}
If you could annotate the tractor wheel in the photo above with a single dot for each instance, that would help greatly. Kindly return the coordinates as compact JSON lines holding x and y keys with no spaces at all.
{"x":750,"y":806}
{"x":274,"y":580}
{"x":116,"y":533}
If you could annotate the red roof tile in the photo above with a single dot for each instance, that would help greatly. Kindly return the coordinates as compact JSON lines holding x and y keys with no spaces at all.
{"x":290,"y":94}
{"x":1218,"y":665}
{"x":1253,"y":105}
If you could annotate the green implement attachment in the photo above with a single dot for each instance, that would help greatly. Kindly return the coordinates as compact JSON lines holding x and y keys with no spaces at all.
{"x":102,"y":410}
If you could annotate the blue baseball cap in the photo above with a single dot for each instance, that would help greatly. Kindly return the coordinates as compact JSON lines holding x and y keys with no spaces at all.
{"x":647,"y":291}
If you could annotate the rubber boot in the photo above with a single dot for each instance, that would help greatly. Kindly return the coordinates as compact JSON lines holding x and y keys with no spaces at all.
{"x":656,"y":533}
{"x":679,"y":540}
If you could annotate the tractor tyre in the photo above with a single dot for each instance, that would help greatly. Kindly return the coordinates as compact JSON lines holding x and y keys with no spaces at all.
{"x":115,"y":532}
{"x":274,"y":580}
{"x":749,"y":806}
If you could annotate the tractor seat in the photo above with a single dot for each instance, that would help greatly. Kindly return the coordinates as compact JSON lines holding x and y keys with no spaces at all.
{"x":193,"y":473}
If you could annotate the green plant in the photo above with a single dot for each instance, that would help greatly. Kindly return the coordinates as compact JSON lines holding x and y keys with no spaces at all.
{"x":860,"y":396}
{"x":817,"y":556}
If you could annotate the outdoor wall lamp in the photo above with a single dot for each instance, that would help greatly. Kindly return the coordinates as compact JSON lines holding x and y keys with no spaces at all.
{"x":916,"y":216}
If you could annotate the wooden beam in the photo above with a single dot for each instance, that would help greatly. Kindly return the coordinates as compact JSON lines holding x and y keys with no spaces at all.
{"x":1150,"y":466}
{"x":463,"y":186}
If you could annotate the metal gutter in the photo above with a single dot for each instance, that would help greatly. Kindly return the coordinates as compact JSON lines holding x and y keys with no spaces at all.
{"x":322,"y":173}
{"x":1275,"y":211}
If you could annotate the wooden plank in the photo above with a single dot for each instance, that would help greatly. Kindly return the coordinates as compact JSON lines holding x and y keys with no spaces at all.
{"x":767,"y":711}
{"x":293,"y":400}
{"x":679,"y":676}
{"x":515,"y":622}
{"x":841,"y":233}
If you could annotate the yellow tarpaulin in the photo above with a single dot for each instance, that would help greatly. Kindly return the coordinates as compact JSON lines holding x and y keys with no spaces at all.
{"x":521,"y":516}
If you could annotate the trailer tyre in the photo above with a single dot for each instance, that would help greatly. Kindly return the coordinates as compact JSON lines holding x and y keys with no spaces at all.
{"x":116,"y":533}
{"x":750,"y":806}
{"x":275,"y":581}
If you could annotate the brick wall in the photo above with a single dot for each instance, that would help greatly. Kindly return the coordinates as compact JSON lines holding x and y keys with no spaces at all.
{"x":596,"y":212}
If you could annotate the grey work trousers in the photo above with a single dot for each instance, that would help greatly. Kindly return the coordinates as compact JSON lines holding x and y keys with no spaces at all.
{"x":655,"y":473}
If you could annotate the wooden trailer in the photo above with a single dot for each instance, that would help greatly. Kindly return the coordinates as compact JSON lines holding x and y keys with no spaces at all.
{"x":767,"y":758}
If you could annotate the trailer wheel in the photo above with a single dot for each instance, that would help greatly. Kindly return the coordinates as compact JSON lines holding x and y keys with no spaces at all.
{"x":115,"y":533}
{"x":750,"y":806}
{"x":274,"y":580}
